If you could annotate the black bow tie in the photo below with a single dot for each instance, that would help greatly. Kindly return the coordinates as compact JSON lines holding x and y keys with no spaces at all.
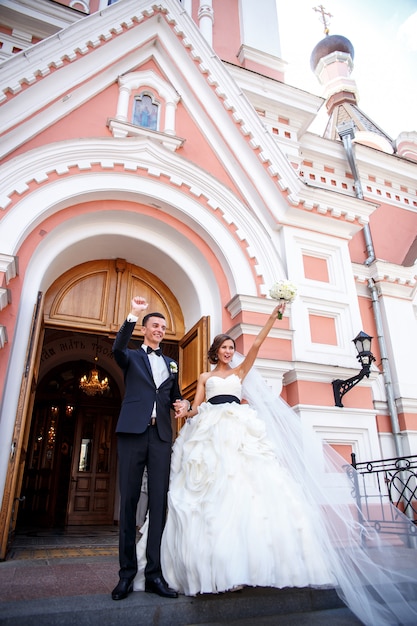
{"x":158,"y":351}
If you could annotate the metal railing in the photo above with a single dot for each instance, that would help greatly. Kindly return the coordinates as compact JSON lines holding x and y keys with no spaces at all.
{"x":377,"y":485}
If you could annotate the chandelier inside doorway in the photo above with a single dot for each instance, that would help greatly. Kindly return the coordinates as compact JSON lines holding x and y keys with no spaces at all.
{"x":90,"y":383}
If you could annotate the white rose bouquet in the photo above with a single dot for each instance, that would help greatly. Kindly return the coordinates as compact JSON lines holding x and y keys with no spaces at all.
{"x":283,"y":290}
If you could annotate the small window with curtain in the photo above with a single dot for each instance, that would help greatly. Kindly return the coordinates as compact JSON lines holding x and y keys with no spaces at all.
{"x":145,"y":112}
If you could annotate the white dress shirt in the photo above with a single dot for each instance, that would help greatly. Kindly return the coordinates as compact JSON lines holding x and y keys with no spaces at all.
{"x":159,"y":371}
{"x":157,"y":363}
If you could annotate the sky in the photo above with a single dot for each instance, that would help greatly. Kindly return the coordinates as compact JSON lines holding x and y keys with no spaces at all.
{"x":384,"y":36}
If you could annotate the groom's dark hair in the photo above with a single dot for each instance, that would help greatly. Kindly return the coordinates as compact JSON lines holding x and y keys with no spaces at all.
{"x":145,"y":319}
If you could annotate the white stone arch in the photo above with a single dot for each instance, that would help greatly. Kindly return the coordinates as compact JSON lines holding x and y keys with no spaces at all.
{"x":136,"y":156}
{"x":66,"y":192}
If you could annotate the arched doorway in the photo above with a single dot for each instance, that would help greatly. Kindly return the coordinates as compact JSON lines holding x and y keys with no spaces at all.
{"x":69,"y":461}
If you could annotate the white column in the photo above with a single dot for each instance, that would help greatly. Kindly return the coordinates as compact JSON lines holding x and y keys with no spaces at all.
{"x":170,"y":118}
{"x":123,"y":103}
{"x":206,"y":20}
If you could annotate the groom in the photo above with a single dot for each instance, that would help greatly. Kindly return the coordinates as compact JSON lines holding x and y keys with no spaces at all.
{"x":144,"y":438}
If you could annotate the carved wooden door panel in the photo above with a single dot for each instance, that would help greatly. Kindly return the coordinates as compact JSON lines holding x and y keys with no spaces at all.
{"x":96,"y":296}
{"x":93,"y":473}
{"x":193,"y":349}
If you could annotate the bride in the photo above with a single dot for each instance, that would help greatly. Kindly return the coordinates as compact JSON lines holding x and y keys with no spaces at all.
{"x":247,"y":506}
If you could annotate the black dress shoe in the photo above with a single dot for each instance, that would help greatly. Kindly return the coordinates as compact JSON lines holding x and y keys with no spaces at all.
{"x":159,"y":586}
{"x":122,"y":589}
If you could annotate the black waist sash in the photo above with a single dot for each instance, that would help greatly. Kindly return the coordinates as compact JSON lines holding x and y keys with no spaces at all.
{"x":223,"y":399}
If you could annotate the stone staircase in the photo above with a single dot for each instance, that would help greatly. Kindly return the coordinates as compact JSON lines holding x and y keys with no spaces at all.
{"x":263,"y":607}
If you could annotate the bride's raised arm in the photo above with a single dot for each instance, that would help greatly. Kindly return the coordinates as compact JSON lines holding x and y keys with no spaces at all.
{"x":249,"y":360}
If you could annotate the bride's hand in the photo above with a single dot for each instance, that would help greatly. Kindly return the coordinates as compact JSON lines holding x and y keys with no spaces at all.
{"x":279,"y":310}
{"x":180,"y":408}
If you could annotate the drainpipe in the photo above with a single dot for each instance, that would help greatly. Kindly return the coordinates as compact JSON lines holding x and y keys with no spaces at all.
{"x":346,"y":133}
{"x":386,"y":370}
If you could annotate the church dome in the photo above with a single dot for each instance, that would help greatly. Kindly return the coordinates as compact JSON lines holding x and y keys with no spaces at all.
{"x":328,"y":45}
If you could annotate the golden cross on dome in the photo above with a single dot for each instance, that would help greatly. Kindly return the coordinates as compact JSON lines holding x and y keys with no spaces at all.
{"x":324,"y":15}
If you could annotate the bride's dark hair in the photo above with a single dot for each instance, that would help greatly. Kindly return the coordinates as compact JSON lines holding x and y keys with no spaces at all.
{"x":217,"y":342}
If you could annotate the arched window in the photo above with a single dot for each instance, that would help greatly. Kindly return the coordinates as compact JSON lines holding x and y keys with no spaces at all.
{"x":145,"y":112}
{"x":146,"y":104}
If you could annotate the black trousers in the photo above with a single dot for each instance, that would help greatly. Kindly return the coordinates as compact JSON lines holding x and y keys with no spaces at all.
{"x":135,"y":452}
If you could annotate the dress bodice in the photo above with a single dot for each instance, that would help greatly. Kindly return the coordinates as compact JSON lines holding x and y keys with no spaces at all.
{"x":217,"y":386}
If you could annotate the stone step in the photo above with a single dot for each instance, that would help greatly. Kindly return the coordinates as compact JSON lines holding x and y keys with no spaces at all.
{"x":263,"y":607}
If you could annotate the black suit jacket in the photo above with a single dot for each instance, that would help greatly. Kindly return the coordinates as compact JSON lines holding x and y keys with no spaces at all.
{"x":140,"y":390}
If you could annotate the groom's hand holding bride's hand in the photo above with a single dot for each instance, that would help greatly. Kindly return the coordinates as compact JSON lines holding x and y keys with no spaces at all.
{"x":181,"y":408}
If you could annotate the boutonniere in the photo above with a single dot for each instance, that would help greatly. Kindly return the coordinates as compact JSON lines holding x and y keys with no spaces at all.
{"x":173,"y":367}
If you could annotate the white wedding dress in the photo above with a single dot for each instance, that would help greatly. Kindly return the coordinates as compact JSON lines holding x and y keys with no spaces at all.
{"x":235,"y":515}
{"x":250,"y":503}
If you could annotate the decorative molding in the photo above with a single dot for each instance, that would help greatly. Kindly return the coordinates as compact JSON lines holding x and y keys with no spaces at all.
{"x":406,"y":145}
{"x":391,"y":279}
{"x":57,"y":164}
{"x":124,"y":129}
{"x":148,"y":78}
{"x":4,"y":298}
{"x":3,"y":336}
{"x":240,"y":303}
{"x":322,"y":373}
{"x":247,"y":53}
{"x":9,"y":266}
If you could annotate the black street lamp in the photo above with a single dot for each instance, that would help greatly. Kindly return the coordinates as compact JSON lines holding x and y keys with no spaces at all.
{"x":362,"y":343}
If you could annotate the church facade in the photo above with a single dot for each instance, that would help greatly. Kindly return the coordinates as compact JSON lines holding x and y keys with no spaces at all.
{"x":155,"y":149}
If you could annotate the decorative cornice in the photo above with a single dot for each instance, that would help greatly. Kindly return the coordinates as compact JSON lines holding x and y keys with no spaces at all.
{"x":124,"y":129}
{"x":252,"y":304}
{"x":390,"y":279}
{"x":246,"y":53}
{"x":320,"y":373}
{"x":406,"y":405}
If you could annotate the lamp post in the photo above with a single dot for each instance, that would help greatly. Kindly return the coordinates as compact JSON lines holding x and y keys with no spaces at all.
{"x":362,"y":343}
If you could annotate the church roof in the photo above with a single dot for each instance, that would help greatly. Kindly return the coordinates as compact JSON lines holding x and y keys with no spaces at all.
{"x":344,"y":108}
